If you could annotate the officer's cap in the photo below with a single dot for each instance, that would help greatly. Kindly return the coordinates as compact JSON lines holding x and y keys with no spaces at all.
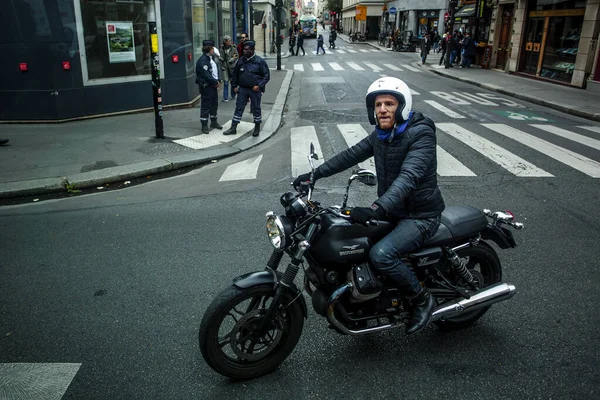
{"x":206,"y":43}
{"x":249,"y":43}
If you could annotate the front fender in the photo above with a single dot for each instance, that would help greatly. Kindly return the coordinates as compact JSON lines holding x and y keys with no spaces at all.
{"x":267,"y":276}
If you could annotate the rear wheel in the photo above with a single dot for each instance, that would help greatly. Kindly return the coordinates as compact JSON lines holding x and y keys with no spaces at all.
{"x":484,"y":264}
{"x":229,"y":339}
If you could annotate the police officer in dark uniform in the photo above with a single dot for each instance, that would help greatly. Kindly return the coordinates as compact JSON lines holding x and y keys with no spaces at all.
{"x":249,"y":78}
{"x":207,"y":78}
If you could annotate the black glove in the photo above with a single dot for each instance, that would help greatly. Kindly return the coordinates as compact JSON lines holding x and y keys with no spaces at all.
{"x":362,"y":215}
{"x":306,"y":178}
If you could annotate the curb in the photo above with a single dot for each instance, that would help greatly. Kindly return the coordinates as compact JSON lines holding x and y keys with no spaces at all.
{"x":124,"y":172}
{"x":531,"y":99}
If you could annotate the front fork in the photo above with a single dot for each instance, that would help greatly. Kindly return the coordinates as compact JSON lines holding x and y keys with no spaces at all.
{"x":287,"y":280}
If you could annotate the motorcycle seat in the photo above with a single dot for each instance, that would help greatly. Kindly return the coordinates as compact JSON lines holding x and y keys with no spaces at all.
{"x":457,"y":222}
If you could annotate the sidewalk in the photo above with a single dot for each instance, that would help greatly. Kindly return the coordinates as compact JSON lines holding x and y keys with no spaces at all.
{"x":570,"y":100}
{"x":45,"y":158}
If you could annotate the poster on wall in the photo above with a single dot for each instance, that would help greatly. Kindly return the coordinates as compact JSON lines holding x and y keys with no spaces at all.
{"x":120,"y":42}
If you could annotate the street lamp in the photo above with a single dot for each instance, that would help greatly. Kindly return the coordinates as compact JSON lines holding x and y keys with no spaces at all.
{"x":279,"y":18}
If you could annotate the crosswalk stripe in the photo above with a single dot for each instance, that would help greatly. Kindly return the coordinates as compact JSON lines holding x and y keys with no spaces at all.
{"x":242,"y":170}
{"x":336,"y":66}
{"x":317,"y":67}
{"x":444,"y":109}
{"x":373,"y":67}
{"x":301,"y":138}
{"x":511,"y":162}
{"x":375,"y":51}
{"x":410,"y":68}
{"x":447,"y":165}
{"x":354,"y":133}
{"x":341,"y":51}
{"x":351,"y":51}
{"x":355,"y":66}
{"x":364,"y":50}
{"x":591,"y":128}
{"x":299,"y":67}
{"x":565,"y":156}
{"x":393,"y":67}
{"x":587,"y":141}
{"x":215,"y":137}
{"x":414,"y":93}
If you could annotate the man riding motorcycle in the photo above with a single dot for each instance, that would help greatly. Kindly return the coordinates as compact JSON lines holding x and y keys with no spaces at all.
{"x":404,"y":147}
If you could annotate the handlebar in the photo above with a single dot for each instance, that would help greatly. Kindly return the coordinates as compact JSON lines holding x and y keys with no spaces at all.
{"x":506,"y":218}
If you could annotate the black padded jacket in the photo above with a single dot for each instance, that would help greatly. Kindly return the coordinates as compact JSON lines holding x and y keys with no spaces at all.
{"x":406,"y":168}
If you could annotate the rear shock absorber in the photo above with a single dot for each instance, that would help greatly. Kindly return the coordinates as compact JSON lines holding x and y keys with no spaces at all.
{"x":461,"y":269}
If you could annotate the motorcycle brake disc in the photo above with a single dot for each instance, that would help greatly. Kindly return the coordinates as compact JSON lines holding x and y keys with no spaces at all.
{"x":243,"y":334}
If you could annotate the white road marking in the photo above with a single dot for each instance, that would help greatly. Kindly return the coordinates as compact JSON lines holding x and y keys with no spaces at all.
{"x":447,"y":165}
{"x":587,"y":141}
{"x":301,"y":138}
{"x":414,"y":93}
{"x":354,"y":133}
{"x":340,"y":51}
{"x":444,"y":109}
{"x":21,"y":381}
{"x":565,"y":156}
{"x":242,"y":170}
{"x":351,"y":51}
{"x":375,"y":50}
{"x":355,"y":66}
{"x":364,"y":51}
{"x":591,"y":128}
{"x":450,"y":99}
{"x":373,"y":67}
{"x":511,"y":162}
{"x":475,"y":99}
{"x":410,"y":68}
{"x":393,"y":67}
{"x":299,"y":67}
{"x":317,"y":67}
{"x":215,"y":137}
{"x":336,"y":66}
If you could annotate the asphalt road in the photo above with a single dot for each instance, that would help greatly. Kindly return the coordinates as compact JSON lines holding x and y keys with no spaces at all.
{"x":115,"y":284}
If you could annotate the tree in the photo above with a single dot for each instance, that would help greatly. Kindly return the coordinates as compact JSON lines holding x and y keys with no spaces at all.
{"x":334,"y":5}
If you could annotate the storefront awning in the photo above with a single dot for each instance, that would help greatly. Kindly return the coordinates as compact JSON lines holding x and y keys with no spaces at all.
{"x":465,"y":11}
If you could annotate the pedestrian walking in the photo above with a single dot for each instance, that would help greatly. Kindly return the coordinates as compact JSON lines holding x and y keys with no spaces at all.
{"x":249,"y":79}
{"x":443,"y":46}
{"x":332,"y":38}
{"x":207,"y":78}
{"x":230,"y":56}
{"x":320,"y":44}
{"x":300,"y":43}
{"x":292,"y":43}
{"x":425,"y":47}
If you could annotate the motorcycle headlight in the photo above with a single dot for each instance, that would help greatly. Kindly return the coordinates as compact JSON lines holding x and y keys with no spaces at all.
{"x":279,"y":230}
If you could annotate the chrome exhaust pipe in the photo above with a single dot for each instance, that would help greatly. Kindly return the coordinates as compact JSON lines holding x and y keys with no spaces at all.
{"x":483,"y":298}
{"x":341,"y":327}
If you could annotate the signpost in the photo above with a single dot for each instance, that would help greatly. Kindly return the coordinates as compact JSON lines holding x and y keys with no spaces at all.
{"x":392,"y":10}
{"x":361,"y":13}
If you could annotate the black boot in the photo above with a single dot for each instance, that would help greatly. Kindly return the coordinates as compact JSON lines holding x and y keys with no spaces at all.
{"x":215,"y":124}
{"x":232,"y":130}
{"x":423,"y":306}
{"x":205,"y":129}
{"x":256,"y":129}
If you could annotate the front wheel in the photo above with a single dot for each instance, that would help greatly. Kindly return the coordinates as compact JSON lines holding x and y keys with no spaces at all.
{"x":484,"y":264}
{"x":228,"y":337}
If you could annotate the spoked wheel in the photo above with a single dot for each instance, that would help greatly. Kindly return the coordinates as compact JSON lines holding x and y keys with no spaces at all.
{"x":229,"y":335}
{"x":484,"y":264}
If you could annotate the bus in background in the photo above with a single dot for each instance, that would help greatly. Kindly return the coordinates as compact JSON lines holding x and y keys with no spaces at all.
{"x":308,"y":24}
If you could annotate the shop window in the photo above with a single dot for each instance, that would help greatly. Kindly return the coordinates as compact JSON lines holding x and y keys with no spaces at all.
{"x":562,"y":42}
{"x":116,"y":38}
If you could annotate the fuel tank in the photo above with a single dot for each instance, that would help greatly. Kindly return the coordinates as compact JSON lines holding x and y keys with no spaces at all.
{"x":340,"y":242}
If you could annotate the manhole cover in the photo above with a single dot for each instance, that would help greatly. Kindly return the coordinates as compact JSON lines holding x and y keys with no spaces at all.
{"x":162,"y":148}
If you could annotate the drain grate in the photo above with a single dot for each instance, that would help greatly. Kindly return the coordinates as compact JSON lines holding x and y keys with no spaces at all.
{"x":162,"y":149}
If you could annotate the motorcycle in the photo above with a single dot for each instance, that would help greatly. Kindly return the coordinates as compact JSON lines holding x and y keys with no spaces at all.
{"x":251,"y":327}
{"x":356,"y":36}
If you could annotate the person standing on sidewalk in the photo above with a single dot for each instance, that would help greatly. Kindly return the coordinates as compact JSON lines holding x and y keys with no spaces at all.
{"x":300,"y":43}
{"x":320,"y":44}
{"x":425,"y":47}
{"x":443,"y":46}
{"x":468,"y":50}
{"x":230,"y":57}
{"x":240,"y":46}
{"x":207,"y":78}
{"x":249,"y":79}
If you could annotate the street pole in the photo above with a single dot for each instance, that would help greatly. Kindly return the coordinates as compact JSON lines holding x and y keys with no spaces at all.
{"x":155,"y":65}
{"x":278,"y":12}
{"x":251,"y":18}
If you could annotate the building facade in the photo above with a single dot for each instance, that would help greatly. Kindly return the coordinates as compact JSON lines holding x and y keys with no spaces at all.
{"x":69,"y":59}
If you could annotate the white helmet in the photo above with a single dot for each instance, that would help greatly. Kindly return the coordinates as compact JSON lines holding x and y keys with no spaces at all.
{"x":392,"y":86}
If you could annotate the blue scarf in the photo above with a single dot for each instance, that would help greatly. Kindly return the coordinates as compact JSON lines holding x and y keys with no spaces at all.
{"x":387,"y":134}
